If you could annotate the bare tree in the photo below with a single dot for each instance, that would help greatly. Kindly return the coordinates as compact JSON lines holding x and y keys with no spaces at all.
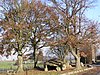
{"x":70,"y":14}
{"x":26,"y":21}
{"x":16,"y":27}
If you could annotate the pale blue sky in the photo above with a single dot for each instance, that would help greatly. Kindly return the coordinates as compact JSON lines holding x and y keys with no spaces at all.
{"x":94,"y":12}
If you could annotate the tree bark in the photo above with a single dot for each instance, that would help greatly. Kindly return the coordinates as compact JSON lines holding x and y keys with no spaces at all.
{"x":35,"y":63}
{"x":78,"y":64}
{"x":35,"y":58}
{"x":66,"y":62}
{"x":20,"y":63}
{"x":93,"y":54}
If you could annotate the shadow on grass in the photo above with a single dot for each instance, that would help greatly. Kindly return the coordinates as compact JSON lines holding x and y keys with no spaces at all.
{"x":39,"y":68}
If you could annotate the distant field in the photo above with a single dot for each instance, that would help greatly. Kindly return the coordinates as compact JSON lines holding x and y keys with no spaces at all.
{"x":6,"y":65}
{"x":10,"y":65}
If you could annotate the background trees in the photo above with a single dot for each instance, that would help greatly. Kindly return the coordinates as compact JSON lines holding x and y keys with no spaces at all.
{"x":61,"y":26}
{"x":17,"y":28}
{"x":71,"y":15}
{"x":38,"y":19}
{"x":25,"y":23}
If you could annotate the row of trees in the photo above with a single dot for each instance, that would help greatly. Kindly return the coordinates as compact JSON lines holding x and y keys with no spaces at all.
{"x":61,"y":25}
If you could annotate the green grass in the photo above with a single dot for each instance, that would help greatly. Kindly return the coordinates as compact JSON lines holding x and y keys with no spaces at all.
{"x":6,"y":65}
{"x":10,"y":65}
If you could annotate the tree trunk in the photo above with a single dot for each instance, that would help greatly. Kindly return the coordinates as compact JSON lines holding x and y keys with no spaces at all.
{"x":93,"y":54}
{"x":35,"y":58}
{"x":66,"y":65}
{"x":35,"y":63}
{"x":78,"y":64}
{"x":20,"y":63}
{"x":66,"y":62}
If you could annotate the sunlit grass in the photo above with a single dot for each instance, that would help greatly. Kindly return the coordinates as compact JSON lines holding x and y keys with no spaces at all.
{"x":10,"y":65}
{"x":7,"y":65}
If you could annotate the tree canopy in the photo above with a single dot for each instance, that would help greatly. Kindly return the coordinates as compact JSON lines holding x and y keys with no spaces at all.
{"x":62,"y":26}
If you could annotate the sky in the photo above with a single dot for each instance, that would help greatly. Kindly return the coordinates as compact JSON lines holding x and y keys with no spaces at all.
{"x":93,"y":13}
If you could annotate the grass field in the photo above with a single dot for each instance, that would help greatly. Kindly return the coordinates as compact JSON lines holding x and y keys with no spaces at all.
{"x":7,"y":65}
{"x":4,"y":65}
{"x":10,"y":65}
